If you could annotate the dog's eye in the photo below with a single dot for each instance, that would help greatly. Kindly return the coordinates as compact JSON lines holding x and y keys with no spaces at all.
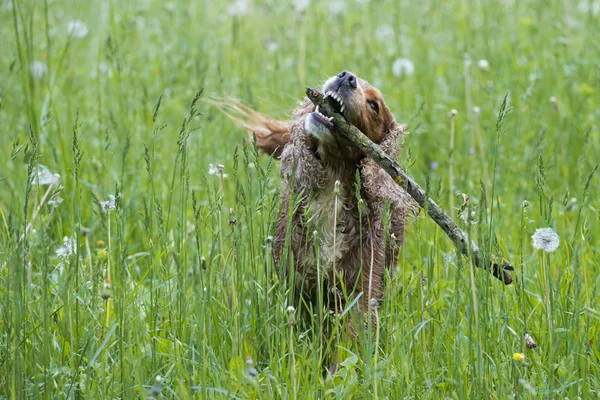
{"x":373,"y":105}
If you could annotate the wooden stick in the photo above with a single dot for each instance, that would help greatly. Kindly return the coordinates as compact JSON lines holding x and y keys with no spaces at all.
{"x":499,"y":267}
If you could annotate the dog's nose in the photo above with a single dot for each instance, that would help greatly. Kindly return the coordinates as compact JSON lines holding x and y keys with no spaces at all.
{"x":347,"y":78}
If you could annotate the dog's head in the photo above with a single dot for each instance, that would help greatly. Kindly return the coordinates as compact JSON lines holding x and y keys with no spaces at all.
{"x":360,"y":103}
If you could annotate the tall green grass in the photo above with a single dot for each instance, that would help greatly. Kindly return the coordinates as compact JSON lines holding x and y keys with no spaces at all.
{"x":174,"y":291}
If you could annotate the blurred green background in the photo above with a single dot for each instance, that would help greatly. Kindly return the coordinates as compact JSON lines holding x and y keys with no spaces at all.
{"x":193,"y":292}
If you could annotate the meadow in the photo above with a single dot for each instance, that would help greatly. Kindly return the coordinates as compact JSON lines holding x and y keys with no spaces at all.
{"x":136,"y":219}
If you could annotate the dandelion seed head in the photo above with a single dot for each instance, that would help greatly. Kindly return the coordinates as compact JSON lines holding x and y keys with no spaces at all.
{"x":300,"y":5}
{"x":218,"y":169}
{"x":272,"y":47}
{"x":77,"y":29}
{"x":476,"y":110}
{"x":589,"y":6}
{"x":291,"y":309}
{"x":337,"y":6}
{"x":403,"y":67}
{"x":68,"y":247}
{"x":109,"y":204}
{"x":483,"y":65}
{"x":238,"y":8}
{"x":42,"y":176}
{"x":545,"y":239}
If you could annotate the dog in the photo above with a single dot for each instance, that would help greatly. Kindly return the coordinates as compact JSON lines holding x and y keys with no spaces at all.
{"x":331,"y":231}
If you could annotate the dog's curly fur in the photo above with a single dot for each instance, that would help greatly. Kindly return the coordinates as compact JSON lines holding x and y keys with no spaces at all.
{"x":353,"y":254}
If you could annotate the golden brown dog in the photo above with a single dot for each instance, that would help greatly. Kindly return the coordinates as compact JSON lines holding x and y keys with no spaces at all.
{"x":326,"y":233}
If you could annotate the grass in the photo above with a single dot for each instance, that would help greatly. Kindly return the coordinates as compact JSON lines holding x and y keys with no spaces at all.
{"x":174,"y":292}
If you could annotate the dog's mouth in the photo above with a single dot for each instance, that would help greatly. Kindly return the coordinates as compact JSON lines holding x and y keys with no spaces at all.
{"x":335,"y":100}
{"x":323,"y":119}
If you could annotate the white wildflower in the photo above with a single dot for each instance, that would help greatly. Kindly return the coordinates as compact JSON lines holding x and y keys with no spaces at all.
{"x":77,"y":29}
{"x":476,"y":110}
{"x":291,"y":309}
{"x":42,"y":176}
{"x":385,"y":33}
{"x":453,"y":112}
{"x":109,"y":204}
{"x":238,"y":8}
{"x":545,"y":239}
{"x":271,"y":46}
{"x":300,"y":5}
{"x":589,"y":6}
{"x":483,"y":65}
{"x":68,"y":247}
{"x":403,"y":66}
{"x":38,"y":69}
{"x":337,"y":6}
{"x":218,"y":169}
{"x":552,"y":99}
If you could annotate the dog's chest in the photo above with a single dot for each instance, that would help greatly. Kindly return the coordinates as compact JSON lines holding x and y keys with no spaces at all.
{"x":335,"y":220}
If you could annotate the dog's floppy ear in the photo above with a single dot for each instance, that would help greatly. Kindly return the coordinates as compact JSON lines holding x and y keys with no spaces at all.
{"x":271,"y":134}
{"x":393,"y":139}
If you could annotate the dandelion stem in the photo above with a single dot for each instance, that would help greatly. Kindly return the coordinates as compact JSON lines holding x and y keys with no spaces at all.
{"x":451,"y":164}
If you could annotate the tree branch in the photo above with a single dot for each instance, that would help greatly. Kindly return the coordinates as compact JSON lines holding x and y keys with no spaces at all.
{"x":499,"y":267}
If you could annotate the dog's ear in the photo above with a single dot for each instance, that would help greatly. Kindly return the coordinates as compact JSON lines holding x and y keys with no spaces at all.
{"x":393,"y":139}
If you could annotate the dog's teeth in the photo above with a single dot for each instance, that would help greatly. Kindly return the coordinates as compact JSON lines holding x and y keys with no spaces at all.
{"x":342,"y":110}
{"x":327,"y":94}
{"x":342,"y":101}
{"x":317,"y":109}
{"x":330,"y":119}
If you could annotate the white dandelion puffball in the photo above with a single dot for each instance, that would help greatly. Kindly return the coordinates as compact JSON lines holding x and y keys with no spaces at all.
{"x":68,"y":247}
{"x":238,"y":8}
{"x":545,"y":239}
{"x":483,"y":65}
{"x":38,"y":69}
{"x":109,"y":204}
{"x":77,"y":29}
{"x":42,"y":176}
{"x":218,"y":169}
{"x":337,"y":6}
{"x":300,"y":5}
{"x":403,"y":66}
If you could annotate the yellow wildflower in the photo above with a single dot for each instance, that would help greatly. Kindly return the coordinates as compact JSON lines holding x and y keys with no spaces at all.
{"x":519,"y":357}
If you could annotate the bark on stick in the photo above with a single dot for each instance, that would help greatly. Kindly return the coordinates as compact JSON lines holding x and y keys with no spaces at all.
{"x":498,"y":266}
